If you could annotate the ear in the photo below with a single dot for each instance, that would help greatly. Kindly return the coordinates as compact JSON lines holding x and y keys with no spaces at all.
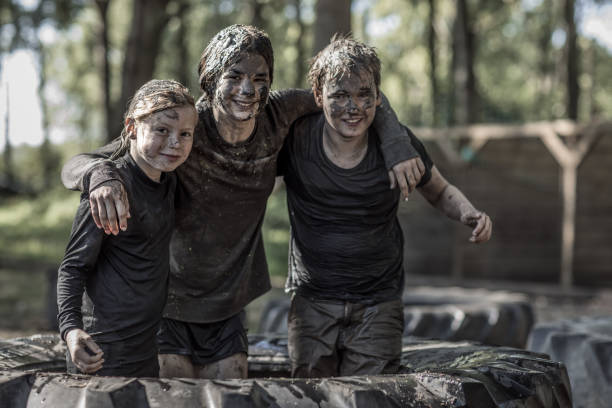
{"x":130,"y":127}
{"x":378,"y":97}
{"x":318,"y":96}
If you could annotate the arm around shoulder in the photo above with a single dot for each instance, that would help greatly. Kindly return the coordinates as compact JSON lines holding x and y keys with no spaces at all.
{"x":95,"y":174}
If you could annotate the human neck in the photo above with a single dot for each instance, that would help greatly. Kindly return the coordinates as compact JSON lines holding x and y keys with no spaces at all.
{"x":342,"y":151}
{"x":230,"y":129}
{"x":146,"y":168}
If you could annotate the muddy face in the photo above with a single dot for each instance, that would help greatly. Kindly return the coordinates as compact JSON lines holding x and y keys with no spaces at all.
{"x":243,"y":88}
{"x":349,"y":103}
{"x":162,"y":140}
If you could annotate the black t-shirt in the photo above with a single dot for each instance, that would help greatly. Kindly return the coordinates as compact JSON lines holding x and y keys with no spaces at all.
{"x":121,"y":279}
{"x":346,"y":241}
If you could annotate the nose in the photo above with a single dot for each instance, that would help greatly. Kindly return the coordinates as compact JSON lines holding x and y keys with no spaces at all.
{"x":351,"y":105}
{"x":246,"y":87}
{"x":174,"y":140}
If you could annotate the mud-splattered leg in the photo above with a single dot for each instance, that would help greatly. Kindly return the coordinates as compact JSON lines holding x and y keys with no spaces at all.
{"x":234,"y":366}
{"x":175,"y":365}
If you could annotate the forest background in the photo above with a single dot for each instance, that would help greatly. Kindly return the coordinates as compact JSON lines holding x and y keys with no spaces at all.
{"x":445,"y":63}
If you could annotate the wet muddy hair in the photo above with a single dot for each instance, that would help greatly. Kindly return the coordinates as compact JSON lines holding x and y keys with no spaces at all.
{"x":226,"y":48}
{"x":154,"y":96}
{"x":343,"y":56}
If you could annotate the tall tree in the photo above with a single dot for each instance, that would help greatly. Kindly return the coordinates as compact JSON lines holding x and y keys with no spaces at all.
{"x":257,"y":18}
{"x":182,"y":68}
{"x":9,"y":174}
{"x":300,"y":59}
{"x":571,"y":54}
{"x":331,"y":17}
{"x":102,"y":6}
{"x":149,"y":19}
{"x":464,"y":80}
{"x":431,"y":45}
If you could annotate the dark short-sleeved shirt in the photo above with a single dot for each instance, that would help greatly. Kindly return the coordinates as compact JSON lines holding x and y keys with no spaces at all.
{"x":121,"y":279}
{"x":346,"y":241}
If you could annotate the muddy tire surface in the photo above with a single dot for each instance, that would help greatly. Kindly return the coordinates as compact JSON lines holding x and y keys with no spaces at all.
{"x":490,"y":317}
{"x":435,"y":374}
{"x":584,"y":345}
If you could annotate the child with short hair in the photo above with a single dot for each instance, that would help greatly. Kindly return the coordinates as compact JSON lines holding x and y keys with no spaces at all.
{"x":346,"y":249}
{"x":121,"y":281}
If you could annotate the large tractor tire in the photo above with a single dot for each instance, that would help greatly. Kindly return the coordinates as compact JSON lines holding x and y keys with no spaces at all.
{"x":490,"y":317}
{"x":435,"y":374}
{"x":584,"y":345}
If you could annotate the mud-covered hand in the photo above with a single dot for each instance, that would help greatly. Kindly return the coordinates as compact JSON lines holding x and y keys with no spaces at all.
{"x":84,"y":352}
{"x":110,"y":208}
{"x":407,"y":175}
{"x":481,"y":224}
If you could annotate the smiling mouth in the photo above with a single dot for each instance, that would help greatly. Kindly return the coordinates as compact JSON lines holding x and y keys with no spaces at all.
{"x":171,"y":157}
{"x":244,"y":104}
{"x":352,"y":121}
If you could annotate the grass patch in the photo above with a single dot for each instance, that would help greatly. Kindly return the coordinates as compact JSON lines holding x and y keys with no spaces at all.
{"x":35,"y":231}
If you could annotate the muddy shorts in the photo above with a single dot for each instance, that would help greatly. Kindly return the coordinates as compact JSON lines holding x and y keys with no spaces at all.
{"x":116,"y":364}
{"x":205,"y":343}
{"x":332,"y":338}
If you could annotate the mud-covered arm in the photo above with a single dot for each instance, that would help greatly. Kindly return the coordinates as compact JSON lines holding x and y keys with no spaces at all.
{"x":95,"y":174}
{"x":454,"y":204}
{"x":402,"y":159}
{"x":394,"y":139}
{"x":86,"y":171}
{"x":79,"y":260}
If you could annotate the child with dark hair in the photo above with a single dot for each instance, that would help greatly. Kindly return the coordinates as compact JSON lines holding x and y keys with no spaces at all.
{"x":346,"y":250}
{"x":217,"y":259}
{"x":121,"y":281}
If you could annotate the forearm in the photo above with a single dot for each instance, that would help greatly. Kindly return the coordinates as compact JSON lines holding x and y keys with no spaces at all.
{"x":394,"y":138}
{"x":78,"y":171}
{"x":69,"y":301}
{"x":453,"y":203}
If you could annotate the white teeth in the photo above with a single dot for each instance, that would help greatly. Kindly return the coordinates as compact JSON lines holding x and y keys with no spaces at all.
{"x":352,"y":120}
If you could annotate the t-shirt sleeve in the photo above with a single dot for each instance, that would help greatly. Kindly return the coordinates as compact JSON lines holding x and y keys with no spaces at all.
{"x":290,"y":104}
{"x":79,"y":260}
{"x":420,"y":148}
{"x":86,"y":171}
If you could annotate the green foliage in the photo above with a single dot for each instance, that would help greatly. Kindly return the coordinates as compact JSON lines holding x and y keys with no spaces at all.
{"x":35,"y":230}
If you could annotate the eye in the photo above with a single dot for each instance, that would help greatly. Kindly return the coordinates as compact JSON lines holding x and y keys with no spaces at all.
{"x":162,"y":130}
{"x":186,"y":134}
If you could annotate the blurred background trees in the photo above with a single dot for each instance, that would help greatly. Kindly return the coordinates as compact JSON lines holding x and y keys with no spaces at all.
{"x":445,"y":62}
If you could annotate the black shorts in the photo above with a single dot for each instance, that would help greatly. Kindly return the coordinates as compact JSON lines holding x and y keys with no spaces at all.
{"x":205,"y":343}
{"x":116,"y":365}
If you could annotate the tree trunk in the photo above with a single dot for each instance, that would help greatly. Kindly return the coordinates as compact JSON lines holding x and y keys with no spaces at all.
{"x":47,"y":157}
{"x":464,"y":87}
{"x":545,"y":65}
{"x":182,"y":69}
{"x":331,"y":17}
{"x":149,"y":20}
{"x":257,"y":19}
{"x":300,"y":60}
{"x":572,"y":60}
{"x":431,"y":44}
{"x":109,"y":118}
{"x":9,"y":174}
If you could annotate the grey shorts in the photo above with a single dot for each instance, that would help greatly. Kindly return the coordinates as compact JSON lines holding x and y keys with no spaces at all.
{"x":328,"y":338}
